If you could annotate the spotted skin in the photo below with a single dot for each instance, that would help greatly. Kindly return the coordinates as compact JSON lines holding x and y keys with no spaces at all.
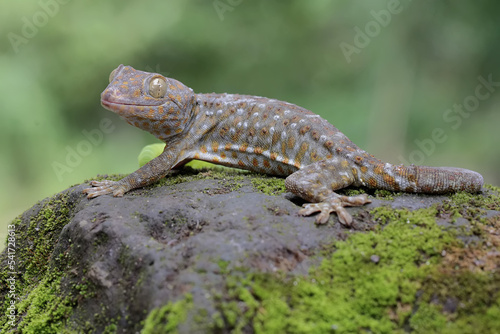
{"x":262,"y":135}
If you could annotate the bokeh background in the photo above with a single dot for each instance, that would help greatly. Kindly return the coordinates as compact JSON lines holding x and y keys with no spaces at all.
{"x":388,"y":74}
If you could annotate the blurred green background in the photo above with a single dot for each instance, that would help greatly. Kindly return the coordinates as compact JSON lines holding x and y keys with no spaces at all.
{"x":386,"y":73}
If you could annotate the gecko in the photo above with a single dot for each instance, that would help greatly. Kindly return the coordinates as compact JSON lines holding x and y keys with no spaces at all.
{"x":261,"y":135}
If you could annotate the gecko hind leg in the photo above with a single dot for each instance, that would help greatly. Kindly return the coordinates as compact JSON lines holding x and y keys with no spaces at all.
{"x":317,"y":182}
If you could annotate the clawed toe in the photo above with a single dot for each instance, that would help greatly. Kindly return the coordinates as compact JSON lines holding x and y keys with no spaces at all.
{"x":335,"y":204}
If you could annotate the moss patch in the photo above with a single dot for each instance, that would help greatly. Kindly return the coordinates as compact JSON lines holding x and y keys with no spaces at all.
{"x":409,"y":274}
{"x":268,"y":185}
{"x":44,"y":311}
{"x":166,"y":319}
{"x":39,"y":304}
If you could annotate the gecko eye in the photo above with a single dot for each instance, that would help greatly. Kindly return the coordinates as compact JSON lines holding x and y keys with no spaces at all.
{"x":157,"y":87}
{"x":112,"y":75}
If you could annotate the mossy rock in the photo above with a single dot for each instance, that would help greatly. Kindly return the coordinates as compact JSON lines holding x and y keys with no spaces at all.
{"x":222,"y":251}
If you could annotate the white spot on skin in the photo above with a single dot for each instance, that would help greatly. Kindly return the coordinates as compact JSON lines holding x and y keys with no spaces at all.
{"x":286,"y":112}
{"x":255,"y":114}
{"x":239,"y":111}
{"x":219,"y":112}
{"x":283,"y":135}
{"x":276,"y":117}
{"x":245,"y":125}
{"x":322,"y":138}
{"x":271,"y":130}
{"x":293,"y":125}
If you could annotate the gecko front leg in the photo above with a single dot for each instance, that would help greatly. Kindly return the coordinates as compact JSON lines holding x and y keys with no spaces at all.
{"x":316,"y":183}
{"x":147,"y":174}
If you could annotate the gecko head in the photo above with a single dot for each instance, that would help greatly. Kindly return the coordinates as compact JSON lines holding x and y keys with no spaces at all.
{"x":149,"y":101}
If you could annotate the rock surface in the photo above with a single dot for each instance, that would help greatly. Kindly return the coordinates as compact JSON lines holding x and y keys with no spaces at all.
{"x":195,"y":253}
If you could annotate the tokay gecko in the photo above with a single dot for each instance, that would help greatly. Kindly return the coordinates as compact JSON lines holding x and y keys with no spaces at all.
{"x":262,"y":135}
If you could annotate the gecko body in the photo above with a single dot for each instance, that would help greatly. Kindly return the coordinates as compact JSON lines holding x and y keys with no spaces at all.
{"x":262,"y":135}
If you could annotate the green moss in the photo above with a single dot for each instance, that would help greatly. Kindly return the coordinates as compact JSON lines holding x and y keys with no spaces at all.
{"x":268,"y":185}
{"x":369,"y":283}
{"x":227,"y":178}
{"x":166,"y":319}
{"x":40,"y":303}
{"x":110,"y":177}
{"x":44,"y":310}
{"x":428,"y":319}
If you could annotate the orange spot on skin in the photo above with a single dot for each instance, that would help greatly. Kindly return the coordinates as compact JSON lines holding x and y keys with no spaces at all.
{"x":137,"y":93}
{"x":196,"y":155}
{"x":223,"y":130}
{"x":258,"y":150}
{"x":364,"y":169}
{"x":291,"y":142}
{"x":328,"y":144}
{"x":267,"y":164}
{"x":203,"y":149}
{"x":344,"y":163}
{"x":273,"y":156}
{"x":227,"y":147}
{"x":280,"y":169}
{"x":240,"y":163}
{"x":151,"y":113}
{"x":234,"y":155}
{"x":389,"y":179}
{"x":255,"y":162}
{"x":243,"y":148}
{"x":354,"y":172}
{"x":314,"y":156}
{"x":372,"y":182}
{"x":315,"y":135}
{"x":223,"y":155}
{"x":304,"y":129}
{"x":215,"y":160}
{"x":275,"y":139}
{"x":160,"y":110}
{"x":300,"y":155}
{"x":215,"y":146}
{"x":379,"y":169}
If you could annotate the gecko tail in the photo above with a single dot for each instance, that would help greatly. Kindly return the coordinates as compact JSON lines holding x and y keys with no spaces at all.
{"x":424,"y":179}
{"x":439,"y":180}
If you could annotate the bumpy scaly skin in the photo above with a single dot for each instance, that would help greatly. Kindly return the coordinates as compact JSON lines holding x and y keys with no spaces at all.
{"x":262,"y":135}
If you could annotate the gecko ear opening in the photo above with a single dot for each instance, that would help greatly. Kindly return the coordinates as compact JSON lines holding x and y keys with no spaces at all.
{"x":157,"y":87}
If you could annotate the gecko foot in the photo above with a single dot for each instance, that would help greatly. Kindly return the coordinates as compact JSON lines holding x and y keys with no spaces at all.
{"x":334,"y":204}
{"x":104,"y":187}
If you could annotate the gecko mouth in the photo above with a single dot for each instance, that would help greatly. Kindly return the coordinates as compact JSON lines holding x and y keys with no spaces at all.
{"x":108,"y":104}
